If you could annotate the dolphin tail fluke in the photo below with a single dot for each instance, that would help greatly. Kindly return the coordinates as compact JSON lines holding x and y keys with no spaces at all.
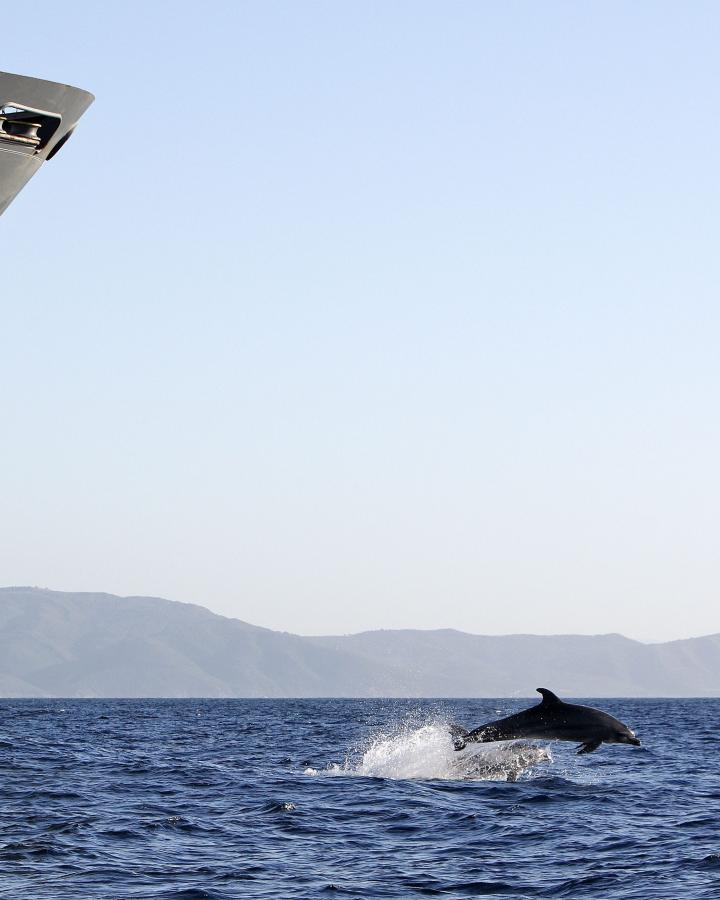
{"x":459,"y":736}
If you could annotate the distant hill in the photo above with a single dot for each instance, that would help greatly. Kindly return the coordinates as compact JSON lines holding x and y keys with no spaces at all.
{"x":55,"y":644}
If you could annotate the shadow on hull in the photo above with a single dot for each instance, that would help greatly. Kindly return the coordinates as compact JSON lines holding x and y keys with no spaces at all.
{"x":36,"y":119}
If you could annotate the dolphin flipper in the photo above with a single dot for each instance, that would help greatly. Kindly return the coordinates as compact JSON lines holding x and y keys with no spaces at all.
{"x":589,"y":746}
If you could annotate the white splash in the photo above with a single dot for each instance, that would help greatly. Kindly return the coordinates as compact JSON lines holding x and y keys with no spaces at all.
{"x":427,"y":752}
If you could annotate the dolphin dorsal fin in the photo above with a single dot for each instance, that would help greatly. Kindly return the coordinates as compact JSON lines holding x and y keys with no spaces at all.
{"x":548,"y":696}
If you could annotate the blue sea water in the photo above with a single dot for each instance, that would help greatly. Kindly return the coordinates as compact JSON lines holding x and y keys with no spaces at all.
{"x":350,"y":798}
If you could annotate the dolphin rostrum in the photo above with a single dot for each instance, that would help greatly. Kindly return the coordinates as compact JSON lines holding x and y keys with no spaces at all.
{"x":552,"y":720}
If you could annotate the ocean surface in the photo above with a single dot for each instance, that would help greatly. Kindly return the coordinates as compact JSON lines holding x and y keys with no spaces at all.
{"x":350,"y":798}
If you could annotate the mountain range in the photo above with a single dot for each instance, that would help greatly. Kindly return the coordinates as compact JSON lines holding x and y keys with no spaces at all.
{"x":57,"y":644}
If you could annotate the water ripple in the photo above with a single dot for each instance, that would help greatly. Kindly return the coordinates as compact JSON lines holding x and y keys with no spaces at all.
{"x":363,"y":799}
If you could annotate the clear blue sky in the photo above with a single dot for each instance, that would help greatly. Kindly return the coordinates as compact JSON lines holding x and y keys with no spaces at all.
{"x":335,"y":316}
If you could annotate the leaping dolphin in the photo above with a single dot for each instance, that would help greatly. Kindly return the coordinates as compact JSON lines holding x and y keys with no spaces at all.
{"x":552,"y":720}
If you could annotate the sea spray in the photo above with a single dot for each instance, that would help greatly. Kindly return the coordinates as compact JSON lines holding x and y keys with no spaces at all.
{"x":426,"y":752}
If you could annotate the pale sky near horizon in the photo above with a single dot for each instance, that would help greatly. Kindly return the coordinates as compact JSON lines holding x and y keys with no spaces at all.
{"x":338,"y":316}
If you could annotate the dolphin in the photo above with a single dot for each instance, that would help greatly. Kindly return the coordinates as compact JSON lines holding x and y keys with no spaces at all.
{"x":552,"y":720}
